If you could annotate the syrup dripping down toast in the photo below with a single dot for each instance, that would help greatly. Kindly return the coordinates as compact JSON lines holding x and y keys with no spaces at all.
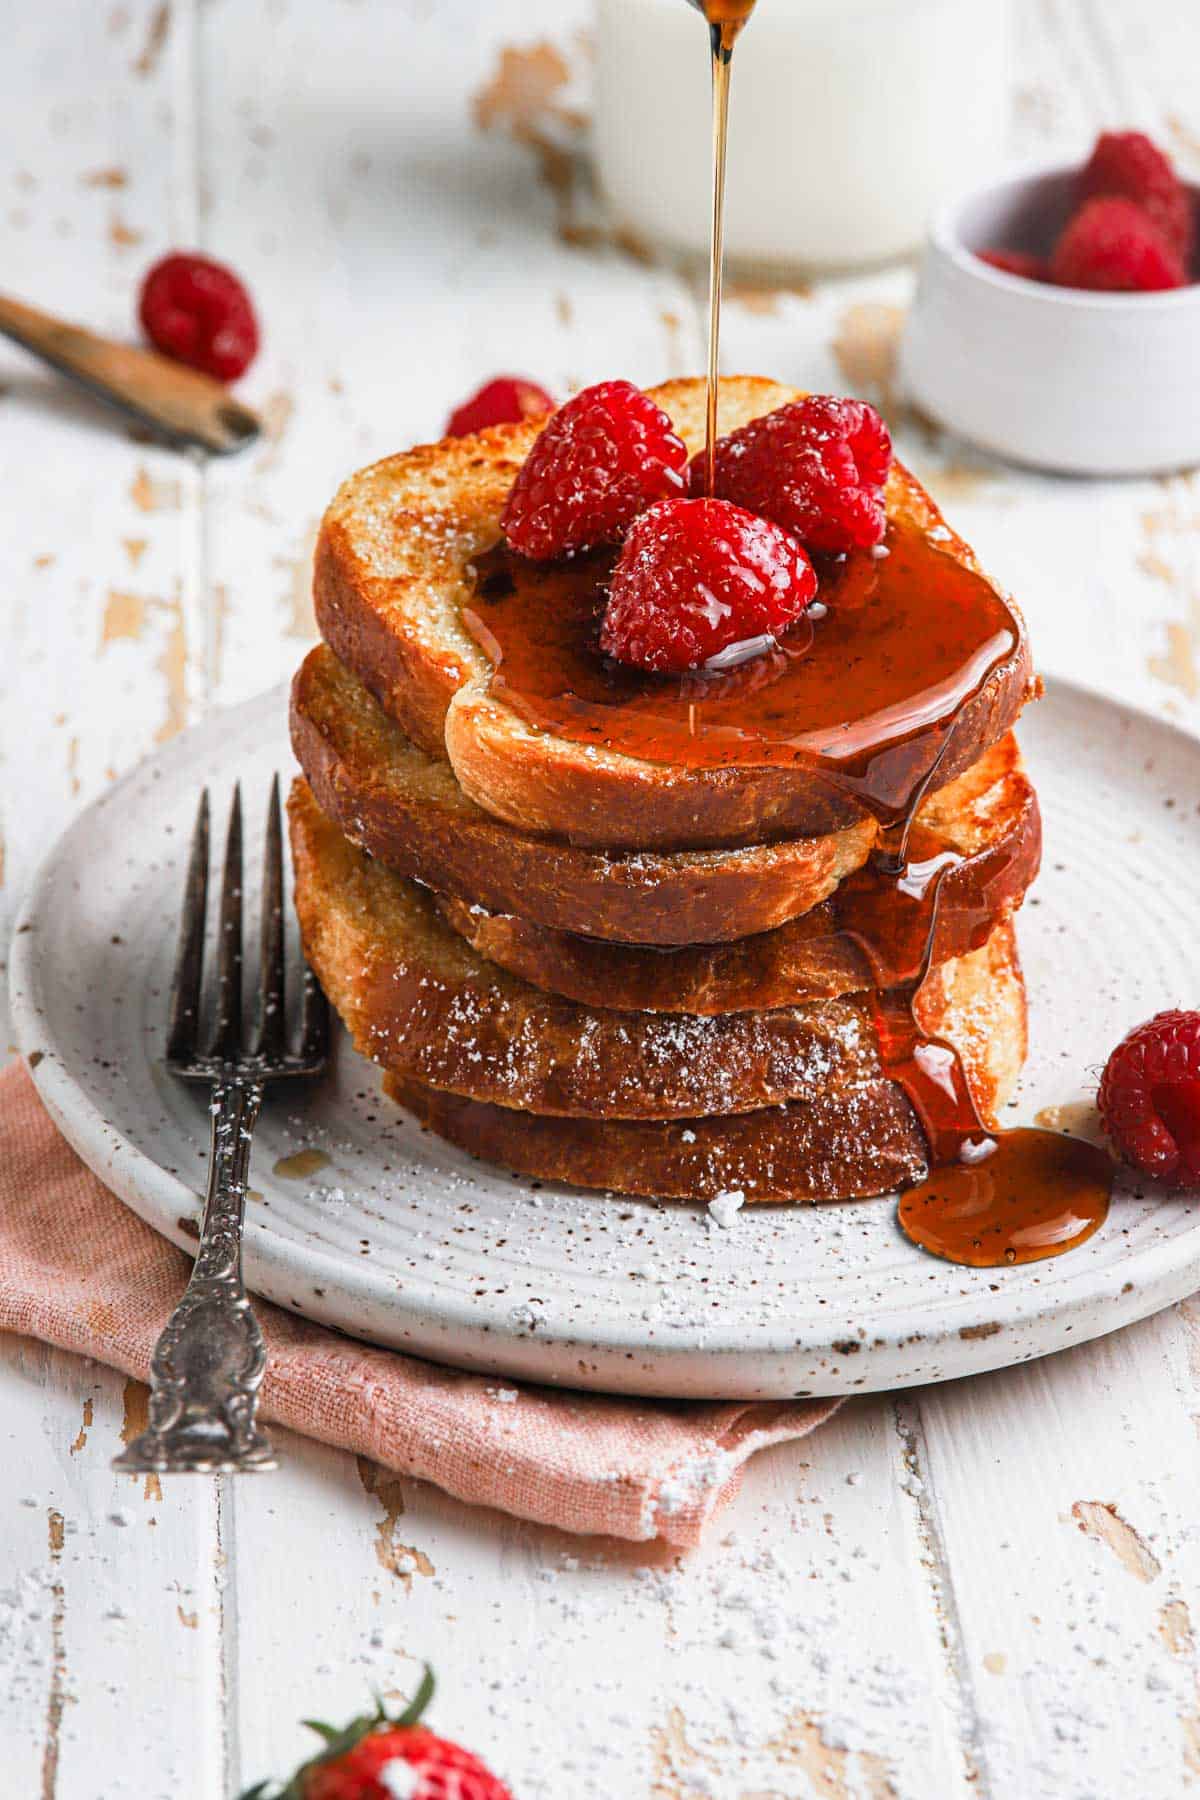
{"x":406,"y":807}
{"x":418,"y":1000}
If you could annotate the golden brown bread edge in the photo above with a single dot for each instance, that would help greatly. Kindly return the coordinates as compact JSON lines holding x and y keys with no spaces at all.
{"x":990,"y":816}
{"x":407,"y":809}
{"x":856,"y":1144}
{"x":841,"y":1144}
{"x":392,"y":571}
{"x":418,"y":1000}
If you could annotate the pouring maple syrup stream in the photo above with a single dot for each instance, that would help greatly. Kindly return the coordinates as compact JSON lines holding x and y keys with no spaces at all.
{"x":725,"y":20}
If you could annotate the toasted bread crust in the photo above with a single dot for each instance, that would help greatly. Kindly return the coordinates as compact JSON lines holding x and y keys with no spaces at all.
{"x":361,"y":637}
{"x":391,"y":569}
{"x":990,"y":815}
{"x":407,"y":809}
{"x":417,"y":999}
{"x":392,"y":572}
{"x":861,"y":1142}
{"x":840,"y":1144}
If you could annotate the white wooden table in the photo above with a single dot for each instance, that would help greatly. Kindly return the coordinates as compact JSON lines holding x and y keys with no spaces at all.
{"x":984,"y":1589}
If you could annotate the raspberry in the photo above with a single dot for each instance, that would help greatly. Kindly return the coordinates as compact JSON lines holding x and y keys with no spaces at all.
{"x":1129,"y":164}
{"x":602,"y":459}
{"x":1150,"y":1097}
{"x":198,"y":312}
{"x":1016,"y":262}
{"x":817,"y":467}
{"x":505,"y":401}
{"x":1111,"y":244}
{"x":696,"y":576}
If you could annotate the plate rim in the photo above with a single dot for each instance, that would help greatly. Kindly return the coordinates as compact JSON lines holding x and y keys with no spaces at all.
{"x":150,"y":1190}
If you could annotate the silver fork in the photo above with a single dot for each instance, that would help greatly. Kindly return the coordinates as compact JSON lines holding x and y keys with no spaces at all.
{"x":209,"y":1361}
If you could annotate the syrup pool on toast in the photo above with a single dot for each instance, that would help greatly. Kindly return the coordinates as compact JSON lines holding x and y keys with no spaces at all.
{"x":862,"y":695}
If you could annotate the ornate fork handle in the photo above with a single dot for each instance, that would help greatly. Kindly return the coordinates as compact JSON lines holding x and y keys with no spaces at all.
{"x":209,"y":1361}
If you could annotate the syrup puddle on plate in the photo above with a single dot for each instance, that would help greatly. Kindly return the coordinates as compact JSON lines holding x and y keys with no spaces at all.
{"x":1036,"y":1194}
{"x":300,"y":1165}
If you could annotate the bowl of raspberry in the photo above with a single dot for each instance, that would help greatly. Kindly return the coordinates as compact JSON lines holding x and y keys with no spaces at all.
{"x":1057,"y":315}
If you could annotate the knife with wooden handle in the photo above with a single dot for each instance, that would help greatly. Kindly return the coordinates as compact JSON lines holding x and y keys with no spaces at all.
{"x":179,"y":403}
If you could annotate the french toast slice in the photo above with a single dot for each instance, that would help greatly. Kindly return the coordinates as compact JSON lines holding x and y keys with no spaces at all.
{"x":840,"y":1143}
{"x":407,"y":808}
{"x":418,"y":999}
{"x":394,"y":570}
{"x":989,"y":817}
{"x":851,"y":1145}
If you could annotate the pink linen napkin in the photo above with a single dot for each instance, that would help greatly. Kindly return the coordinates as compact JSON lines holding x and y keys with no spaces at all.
{"x":79,"y":1270}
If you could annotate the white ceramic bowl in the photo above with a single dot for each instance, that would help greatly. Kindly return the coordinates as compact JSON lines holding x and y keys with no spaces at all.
{"x":1083,"y":383}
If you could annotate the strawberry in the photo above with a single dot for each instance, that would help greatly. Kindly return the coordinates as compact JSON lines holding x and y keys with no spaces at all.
{"x":380,"y":1758}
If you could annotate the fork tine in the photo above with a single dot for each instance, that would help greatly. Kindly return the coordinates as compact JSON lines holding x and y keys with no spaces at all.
{"x":184,"y":1013}
{"x":270,"y":983}
{"x":227,"y":1036}
{"x":314,"y":1026}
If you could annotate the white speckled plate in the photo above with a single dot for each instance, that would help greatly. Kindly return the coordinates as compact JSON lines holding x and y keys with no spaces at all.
{"x":390,"y":1234}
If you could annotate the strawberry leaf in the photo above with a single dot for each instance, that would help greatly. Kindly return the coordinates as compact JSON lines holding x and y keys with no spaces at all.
{"x":328,"y":1732}
{"x":338,"y":1743}
{"x":420,"y":1700}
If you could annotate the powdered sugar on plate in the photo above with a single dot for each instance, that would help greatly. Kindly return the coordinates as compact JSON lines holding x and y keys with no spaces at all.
{"x":724,"y":1207}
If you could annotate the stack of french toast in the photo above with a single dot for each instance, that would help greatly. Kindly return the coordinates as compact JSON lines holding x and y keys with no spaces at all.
{"x":643,"y":932}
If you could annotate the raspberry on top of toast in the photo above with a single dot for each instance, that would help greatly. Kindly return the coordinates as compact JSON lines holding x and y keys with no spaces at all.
{"x":699,"y":579}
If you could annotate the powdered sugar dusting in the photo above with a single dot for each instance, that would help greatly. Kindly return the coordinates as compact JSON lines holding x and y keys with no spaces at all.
{"x":724,"y":1208}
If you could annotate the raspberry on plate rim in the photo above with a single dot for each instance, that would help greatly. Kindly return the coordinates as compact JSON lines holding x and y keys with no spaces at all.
{"x":1149,"y":1097}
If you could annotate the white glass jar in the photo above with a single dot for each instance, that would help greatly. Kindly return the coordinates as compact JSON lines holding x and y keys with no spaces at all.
{"x":850,"y":120}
